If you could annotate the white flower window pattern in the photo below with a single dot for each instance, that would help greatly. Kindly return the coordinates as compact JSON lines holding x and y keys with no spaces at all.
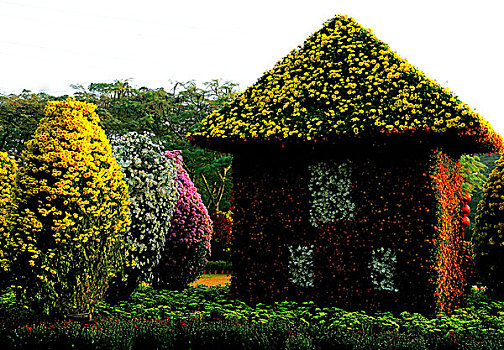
{"x":301,"y":265}
{"x":383,"y":266}
{"x":331,"y":188}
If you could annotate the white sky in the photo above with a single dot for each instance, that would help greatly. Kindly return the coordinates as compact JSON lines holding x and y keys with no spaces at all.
{"x":48,"y":45}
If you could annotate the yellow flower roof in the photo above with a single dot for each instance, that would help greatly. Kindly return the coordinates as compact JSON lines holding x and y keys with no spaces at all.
{"x":344,"y":82}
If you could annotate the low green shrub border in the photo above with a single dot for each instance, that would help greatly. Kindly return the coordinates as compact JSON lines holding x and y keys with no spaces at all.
{"x":206,"y":318}
{"x":219,"y":266}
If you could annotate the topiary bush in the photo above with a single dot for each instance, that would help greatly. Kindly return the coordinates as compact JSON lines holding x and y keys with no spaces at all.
{"x":72,"y":213}
{"x":488,"y":235}
{"x":151,"y":182}
{"x":8,"y":170}
{"x":187,"y":244}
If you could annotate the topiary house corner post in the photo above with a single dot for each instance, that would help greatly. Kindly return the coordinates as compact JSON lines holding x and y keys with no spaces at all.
{"x":346,"y":181}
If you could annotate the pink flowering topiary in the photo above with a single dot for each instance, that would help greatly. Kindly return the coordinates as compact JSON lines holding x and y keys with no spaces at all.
{"x":187,"y":243}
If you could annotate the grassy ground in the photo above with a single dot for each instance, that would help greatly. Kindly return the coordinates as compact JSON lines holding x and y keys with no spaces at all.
{"x":212,"y":280}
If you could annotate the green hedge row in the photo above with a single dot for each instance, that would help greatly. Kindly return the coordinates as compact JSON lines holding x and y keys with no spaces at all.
{"x":219,"y":266}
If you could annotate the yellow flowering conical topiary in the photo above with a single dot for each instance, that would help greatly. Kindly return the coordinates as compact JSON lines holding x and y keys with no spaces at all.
{"x":8,"y":169}
{"x":72,"y":212}
{"x":488,"y":235}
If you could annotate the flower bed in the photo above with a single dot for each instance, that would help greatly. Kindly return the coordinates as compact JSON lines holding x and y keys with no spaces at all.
{"x":206,"y":318}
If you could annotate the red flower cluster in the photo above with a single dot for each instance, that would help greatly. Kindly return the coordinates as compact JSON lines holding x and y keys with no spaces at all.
{"x":222,"y":227}
{"x":222,"y":234}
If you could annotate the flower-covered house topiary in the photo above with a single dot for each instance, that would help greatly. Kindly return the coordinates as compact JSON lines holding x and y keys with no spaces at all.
{"x":346,"y":183}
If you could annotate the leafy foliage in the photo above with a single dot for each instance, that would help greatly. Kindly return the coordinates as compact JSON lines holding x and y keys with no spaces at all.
{"x":187,"y":243}
{"x":19,"y":117}
{"x":218,"y":266}
{"x":68,"y":237}
{"x":489,"y":232}
{"x":472,"y":171}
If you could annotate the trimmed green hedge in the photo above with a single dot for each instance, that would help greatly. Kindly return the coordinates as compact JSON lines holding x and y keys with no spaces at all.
{"x":218,"y":266}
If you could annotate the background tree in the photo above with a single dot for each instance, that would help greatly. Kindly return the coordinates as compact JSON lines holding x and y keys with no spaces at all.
{"x":168,"y":116}
{"x":19,"y":117}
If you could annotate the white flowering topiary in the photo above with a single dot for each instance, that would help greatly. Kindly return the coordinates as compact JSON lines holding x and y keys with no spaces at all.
{"x":150,"y":177}
{"x":330,"y":187}
{"x":301,"y":265}
{"x":383,"y":265}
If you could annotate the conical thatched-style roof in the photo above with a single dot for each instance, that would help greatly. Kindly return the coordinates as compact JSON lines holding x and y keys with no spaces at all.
{"x":345,"y":83}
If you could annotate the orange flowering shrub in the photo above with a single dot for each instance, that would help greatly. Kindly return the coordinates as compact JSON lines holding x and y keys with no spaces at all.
{"x":68,"y":237}
{"x":488,"y":234}
{"x":449,"y":245}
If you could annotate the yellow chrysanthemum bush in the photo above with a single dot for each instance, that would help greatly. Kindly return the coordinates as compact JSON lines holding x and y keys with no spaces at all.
{"x":72,"y":213}
{"x":8,"y":169}
{"x":488,"y":234}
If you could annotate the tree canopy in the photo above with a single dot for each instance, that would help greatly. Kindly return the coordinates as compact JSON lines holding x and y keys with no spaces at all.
{"x":168,"y":115}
